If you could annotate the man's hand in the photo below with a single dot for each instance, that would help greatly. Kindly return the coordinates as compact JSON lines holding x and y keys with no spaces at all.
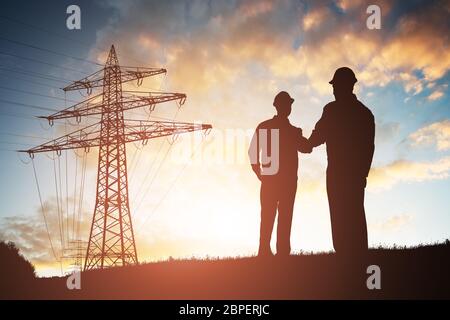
{"x":304,"y":145}
{"x":307,"y":148}
{"x":257,"y":169}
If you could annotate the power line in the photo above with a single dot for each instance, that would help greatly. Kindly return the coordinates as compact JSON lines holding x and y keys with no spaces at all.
{"x":152,"y":164}
{"x":18,"y":115}
{"x":57,"y":204}
{"x":135,"y":160}
{"x":15,"y":143}
{"x":28,"y":117}
{"x":35,"y":27}
{"x":29,"y":105}
{"x":37,"y":94}
{"x":32,"y":117}
{"x":42,"y":62}
{"x":36,"y":74}
{"x":22,"y":135}
{"x":43,"y":209}
{"x":55,"y":34}
{"x":169,"y":189}
{"x":153,"y":178}
{"x":81,"y":197}
{"x":74,"y":236}
{"x":48,"y":50}
{"x":8,"y":150}
{"x":29,"y":81}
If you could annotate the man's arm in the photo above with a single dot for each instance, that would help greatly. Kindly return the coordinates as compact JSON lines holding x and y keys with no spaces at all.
{"x":253,"y":153}
{"x":318,"y":136}
{"x":303,"y":144}
{"x":371,"y":145}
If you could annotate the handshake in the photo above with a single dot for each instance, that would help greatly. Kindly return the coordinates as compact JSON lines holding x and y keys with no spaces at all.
{"x":303,"y":144}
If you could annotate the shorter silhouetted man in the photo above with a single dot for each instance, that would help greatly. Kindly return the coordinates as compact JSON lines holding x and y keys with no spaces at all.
{"x":274,"y":156}
{"x":348,"y":129}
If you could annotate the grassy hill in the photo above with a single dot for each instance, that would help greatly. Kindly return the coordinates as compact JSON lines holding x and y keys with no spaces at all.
{"x":406,"y":273}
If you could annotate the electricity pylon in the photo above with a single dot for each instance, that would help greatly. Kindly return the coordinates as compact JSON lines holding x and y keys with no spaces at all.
{"x":75,"y":252}
{"x":111,"y":240}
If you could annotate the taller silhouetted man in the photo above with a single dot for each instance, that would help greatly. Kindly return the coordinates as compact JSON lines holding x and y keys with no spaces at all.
{"x":348,"y":129}
{"x":274,"y":157}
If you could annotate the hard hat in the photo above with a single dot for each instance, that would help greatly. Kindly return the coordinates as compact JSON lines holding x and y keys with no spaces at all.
{"x":282,"y":97}
{"x":344,"y":75}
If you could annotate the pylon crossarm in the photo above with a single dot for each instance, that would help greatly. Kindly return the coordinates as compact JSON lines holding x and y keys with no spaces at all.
{"x":94,"y":106}
{"x":145,"y":130}
{"x":94,"y":80}
{"x":136,"y":73}
{"x":78,"y":110}
{"x":128,"y":74}
{"x":135,"y":130}
{"x":84,"y":138}
{"x":133,"y":101}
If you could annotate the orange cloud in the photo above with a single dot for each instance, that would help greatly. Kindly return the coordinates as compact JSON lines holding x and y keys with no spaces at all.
{"x":437,"y":133}
{"x":251,"y":9}
{"x":314,"y":18}
{"x":436,"y":95}
{"x":349,"y":4}
{"x":227,"y":46}
{"x":383,"y":178}
{"x":393,"y":223}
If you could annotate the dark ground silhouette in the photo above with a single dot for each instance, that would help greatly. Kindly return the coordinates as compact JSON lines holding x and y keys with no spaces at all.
{"x":16,"y":273}
{"x":406,"y":273}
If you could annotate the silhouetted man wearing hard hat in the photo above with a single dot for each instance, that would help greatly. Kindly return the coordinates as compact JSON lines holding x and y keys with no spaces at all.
{"x":274,"y":156}
{"x":348,"y":129}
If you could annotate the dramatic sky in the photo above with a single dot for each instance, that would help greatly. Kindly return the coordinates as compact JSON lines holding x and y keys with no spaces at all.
{"x":198,"y":196}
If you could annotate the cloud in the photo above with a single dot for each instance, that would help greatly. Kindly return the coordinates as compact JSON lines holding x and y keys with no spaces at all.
{"x":348,"y":4}
{"x":212,"y":45}
{"x":29,"y":233}
{"x":414,"y":44}
{"x":386,"y":131}
{"x":437,"y":133}
{"x":436,"y":95}
{"x":401,"y":171}
{"x":250,"y":9}
{"x":392,"y":223}
{"x":412,"y":84}
{"x":315,"y":18}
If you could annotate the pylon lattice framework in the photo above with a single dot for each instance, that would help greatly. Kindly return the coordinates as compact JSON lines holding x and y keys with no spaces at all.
{"x":111,"y":240}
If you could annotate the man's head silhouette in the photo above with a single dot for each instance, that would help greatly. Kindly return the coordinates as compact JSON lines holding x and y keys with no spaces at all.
{"x":343,"y":81}
{"x":283,"y":104}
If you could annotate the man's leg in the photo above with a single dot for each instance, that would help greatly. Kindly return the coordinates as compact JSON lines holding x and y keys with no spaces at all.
{"x":356,"y":243}
{"x":357,"y":216}
{"x":285,"y":211}
{"x":336,"y":202}
{"x":268,"y":211}
{"x":348,"y":221}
